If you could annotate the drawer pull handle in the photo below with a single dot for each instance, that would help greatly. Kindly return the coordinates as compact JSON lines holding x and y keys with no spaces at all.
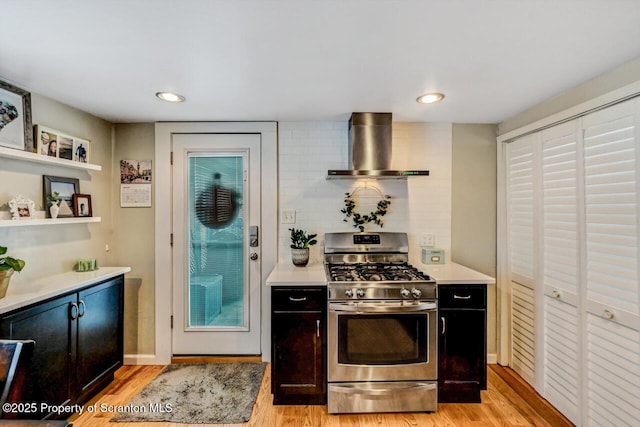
{"x":556,"y":294}
{"x":456,"y":296}
{"x":294,"y":299}
{"x":444,"y":325}
{"x":318,"y":328}
{"x":608,"y":314}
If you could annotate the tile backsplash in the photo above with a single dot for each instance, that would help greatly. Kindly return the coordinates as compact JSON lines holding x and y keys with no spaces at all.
{"x":418,"y":204}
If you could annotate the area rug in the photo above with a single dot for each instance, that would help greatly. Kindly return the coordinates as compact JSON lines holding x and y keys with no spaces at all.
{"x":209,"y":393}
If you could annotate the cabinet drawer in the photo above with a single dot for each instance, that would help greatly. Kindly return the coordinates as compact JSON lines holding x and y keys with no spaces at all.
{"x":462,"y":296}
{"x":297,"y":299}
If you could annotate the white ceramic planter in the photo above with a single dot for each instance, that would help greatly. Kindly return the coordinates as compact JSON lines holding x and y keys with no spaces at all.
{"x":300,"y":257}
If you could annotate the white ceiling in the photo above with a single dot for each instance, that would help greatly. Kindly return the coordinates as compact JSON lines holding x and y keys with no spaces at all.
{"x":291,"y":60}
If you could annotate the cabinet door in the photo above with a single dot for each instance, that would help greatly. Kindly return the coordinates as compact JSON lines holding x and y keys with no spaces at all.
{"x":462,"y":355}
{"x":48,"y":325}
{"x":299,"y":360}
{"x":100,"y":346}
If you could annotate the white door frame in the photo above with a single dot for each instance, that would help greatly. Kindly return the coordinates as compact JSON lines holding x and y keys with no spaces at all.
{"x":163,"y":254}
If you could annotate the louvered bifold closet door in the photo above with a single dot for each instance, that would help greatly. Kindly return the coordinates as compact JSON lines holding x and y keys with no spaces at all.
{"x":521,"y":232}
{"x":560,"y":268}
{"x":611,"y":160}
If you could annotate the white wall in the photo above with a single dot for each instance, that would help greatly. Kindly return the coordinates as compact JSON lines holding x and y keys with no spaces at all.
{"x":308,"y":149}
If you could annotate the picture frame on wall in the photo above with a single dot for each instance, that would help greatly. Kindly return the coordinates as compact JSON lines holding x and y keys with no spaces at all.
{"x":54,"y":143}
{"x":82,"y":205}
{"x":66,"y":188}
{"x":15,"y":118}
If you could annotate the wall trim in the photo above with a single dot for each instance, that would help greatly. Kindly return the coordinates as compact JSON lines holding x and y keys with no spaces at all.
{"x":141,"y":359}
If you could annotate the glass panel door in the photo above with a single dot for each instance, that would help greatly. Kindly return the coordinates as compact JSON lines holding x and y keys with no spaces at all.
{"x":216,"y":271}
{"x":217,"y":285}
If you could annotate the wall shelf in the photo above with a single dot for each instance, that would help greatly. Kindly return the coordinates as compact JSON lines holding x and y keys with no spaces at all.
{"x":39,"y":158}
{"x":48,"y":221}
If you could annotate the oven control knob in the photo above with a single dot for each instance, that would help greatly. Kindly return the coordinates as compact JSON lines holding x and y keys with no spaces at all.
{"x":416,"y":292}
{"x":404,"y":292}
{"x":349,"y":293}
{"x":360,"y":293}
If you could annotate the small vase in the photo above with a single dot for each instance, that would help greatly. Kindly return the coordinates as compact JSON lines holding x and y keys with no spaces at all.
{"x":300,"y":257}
{"x":5,"y":278}
{"x":54,"y":209}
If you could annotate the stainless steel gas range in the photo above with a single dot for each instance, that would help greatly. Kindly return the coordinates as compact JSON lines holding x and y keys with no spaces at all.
{"x":382,"y":340}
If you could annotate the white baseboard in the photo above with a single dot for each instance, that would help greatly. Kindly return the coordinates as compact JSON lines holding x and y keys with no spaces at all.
{"x":141,"y":359}
{"x":492,"y":358}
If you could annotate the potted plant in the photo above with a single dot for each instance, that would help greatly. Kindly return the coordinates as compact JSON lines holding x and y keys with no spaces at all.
{"x":300,"y":242}
{"x":7,"y":266}
{"x":54,"y":198}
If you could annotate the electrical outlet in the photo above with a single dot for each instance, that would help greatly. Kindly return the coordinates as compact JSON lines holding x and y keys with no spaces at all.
{"x":288,"y":217}
{"x":427,"y":239}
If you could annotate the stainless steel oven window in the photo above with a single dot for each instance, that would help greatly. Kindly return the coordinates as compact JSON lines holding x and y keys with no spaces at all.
{"x":382,"y":339}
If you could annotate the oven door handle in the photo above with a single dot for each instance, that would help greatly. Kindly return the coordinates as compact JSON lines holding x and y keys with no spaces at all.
{"x":382,"y":390}
{"x":380,"y":308}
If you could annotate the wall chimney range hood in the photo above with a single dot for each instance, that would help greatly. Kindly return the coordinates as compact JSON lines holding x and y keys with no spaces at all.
{"x":370,"y":150}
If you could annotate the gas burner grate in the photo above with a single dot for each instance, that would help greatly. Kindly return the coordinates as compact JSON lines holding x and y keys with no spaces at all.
{"x":375,"y":272}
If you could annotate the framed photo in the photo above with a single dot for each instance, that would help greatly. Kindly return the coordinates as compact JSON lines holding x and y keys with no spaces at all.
{"x":65,"y":147}
{"x":22,"y":208}
{"x":53,"y":143}
{"x":15,"y":117}
{"x":82,"y":205}
{"x":66,"y":188}
{"x":47,"y":141}
{"x":80,"y":150}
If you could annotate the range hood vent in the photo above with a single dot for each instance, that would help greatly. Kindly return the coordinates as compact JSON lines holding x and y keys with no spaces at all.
{"x":370,"y":149}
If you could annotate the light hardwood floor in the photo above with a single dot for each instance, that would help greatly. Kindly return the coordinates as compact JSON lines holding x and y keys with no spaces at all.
{"x":508,"y":401}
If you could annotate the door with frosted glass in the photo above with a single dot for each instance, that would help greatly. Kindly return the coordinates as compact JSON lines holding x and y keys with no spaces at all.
{"x":216,"y":244}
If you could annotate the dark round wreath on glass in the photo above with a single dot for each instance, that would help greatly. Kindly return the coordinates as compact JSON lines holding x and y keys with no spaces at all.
{"x":359,"y":220}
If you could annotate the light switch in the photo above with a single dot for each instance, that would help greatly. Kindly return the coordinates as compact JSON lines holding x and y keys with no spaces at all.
{"x":288,"y":217}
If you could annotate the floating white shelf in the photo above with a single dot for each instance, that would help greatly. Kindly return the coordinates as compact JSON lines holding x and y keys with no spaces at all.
{"x":48,"y":221}
{"x":39,"y":158}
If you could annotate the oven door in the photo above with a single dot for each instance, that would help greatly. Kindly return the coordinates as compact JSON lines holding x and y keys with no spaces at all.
{"x":382,"y":341}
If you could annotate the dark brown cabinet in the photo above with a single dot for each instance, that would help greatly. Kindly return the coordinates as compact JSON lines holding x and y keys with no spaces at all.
{"x":462,"y":365}
{"x":79,"y":342}
{"x":298,"y":339}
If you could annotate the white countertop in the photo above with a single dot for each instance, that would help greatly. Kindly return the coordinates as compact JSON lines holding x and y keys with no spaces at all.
{"x":287,"y":274}
{"x":456,"y":274}
{"x":21,"y":295}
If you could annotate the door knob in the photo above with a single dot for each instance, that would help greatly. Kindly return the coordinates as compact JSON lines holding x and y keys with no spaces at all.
{"x":253,"y":256}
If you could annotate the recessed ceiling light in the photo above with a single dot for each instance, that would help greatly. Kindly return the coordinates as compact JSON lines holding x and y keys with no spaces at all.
{"x":430,"y":98}
{"x":170,"y":96}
